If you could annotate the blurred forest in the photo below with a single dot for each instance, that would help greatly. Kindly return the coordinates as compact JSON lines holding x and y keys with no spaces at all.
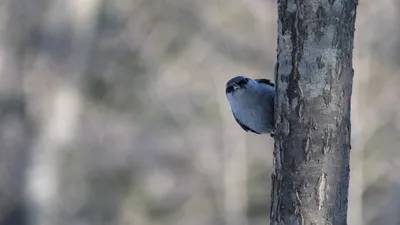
{"x":114,"y":112}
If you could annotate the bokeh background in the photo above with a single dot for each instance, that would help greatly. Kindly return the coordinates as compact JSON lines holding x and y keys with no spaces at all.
{"x":114,"y":112}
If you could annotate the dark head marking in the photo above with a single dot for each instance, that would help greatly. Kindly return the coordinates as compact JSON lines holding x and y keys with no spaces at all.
{"x":265,"y":81}
{"x":239,"y":81}
{"x":229,"y":89}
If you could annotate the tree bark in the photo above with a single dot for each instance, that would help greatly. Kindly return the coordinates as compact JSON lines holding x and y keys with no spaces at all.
{"x":314,"y":86}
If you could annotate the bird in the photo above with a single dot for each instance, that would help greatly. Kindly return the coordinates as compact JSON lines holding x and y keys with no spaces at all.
{"x":252,"y":103}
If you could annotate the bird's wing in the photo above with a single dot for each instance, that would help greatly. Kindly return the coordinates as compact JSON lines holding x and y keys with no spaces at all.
{"x":265,"y":81}
{"x":246,"y":128}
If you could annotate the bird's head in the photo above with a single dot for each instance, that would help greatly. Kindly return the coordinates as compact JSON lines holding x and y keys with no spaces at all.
{"x":238,"y":84}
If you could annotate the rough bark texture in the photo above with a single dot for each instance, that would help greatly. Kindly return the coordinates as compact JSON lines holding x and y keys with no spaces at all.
{"x":314,"y":85}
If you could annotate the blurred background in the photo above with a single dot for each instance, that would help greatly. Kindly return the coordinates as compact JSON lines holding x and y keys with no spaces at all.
{"x":114,"y":112}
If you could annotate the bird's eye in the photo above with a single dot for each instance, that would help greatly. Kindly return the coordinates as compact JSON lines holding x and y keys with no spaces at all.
{"x":243,"y":82}
{"x":229,"y":89}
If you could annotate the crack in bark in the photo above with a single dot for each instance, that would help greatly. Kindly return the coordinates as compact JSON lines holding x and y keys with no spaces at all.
{"x":327,"y":140}
{"x":321,"y":190}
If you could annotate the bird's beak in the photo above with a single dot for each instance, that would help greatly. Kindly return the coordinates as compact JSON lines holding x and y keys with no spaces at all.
{"x":232,"y":88}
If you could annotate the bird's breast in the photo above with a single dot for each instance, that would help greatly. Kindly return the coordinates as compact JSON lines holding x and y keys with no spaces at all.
{"x":253,"y":111}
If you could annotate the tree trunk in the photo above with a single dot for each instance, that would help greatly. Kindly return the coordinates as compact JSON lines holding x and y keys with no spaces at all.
{"x":314,"y":85}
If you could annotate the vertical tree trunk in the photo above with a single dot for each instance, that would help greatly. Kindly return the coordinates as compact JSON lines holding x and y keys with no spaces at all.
{"x":17,"y":126}
{"x":314,"y":85}
{"x":67,"y":30}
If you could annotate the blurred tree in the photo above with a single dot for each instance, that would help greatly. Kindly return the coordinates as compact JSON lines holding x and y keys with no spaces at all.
{"x":17,"y":126}
{"x":314,"y":86}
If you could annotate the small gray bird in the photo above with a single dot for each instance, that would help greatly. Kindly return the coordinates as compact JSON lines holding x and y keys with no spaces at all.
{"x":252,"y":103}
